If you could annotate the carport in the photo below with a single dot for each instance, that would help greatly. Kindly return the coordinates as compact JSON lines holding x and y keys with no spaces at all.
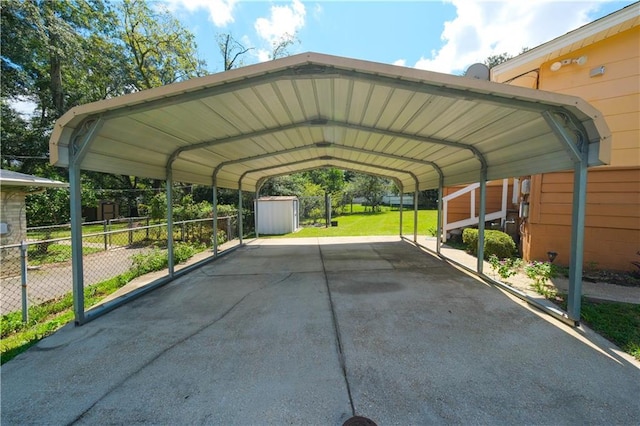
{"x":421,"y":129}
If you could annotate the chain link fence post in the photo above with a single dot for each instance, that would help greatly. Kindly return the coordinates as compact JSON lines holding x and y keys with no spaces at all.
{"x":104,"y":227}
{"x":23,"y":281}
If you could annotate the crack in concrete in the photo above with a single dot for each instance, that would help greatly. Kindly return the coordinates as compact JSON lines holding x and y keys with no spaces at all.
{"x":336,"y":327}
{"x":172,"y":346}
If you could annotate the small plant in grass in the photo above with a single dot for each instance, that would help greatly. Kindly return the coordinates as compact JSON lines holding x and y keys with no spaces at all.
{"x":541,"y":273}
{"x":506,"y":268}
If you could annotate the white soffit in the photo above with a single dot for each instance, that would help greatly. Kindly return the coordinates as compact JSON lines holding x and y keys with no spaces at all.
{"x":313,"y":110}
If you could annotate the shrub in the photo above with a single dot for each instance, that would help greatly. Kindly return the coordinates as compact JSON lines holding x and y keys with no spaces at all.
{"x":226,"y":210}
{"x":222,"y":237}
{"x":157,"y":259}
{"x":495,"y":242}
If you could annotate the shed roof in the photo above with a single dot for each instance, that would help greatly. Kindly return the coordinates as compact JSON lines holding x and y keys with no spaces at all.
{"x":278,"y":198}
{"x":10,"y":178}
{"x":312,"y":110}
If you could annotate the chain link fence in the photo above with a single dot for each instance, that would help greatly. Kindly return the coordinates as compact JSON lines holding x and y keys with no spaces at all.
{"x":39,"y":271}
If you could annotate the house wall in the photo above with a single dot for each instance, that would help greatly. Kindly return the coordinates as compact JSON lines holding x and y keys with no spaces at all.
{"x":12,"y":212}
{"x":612,"y":231}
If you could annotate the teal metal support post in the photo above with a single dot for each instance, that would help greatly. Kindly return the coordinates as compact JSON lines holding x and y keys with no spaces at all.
{"x":481,"y":213}
{"x":215,"y":217}
{"x":577,"y":147}
{"x":75,"y":193}
{"x":439,"y":224}
{"x":240,"y":214}
{"x":415,"y":212}
{"x":577,"y":237}
{"x":255,"y":212}
{"x":170,"y":221}
{"x":77,"y":151}
{"x":401,"y":204}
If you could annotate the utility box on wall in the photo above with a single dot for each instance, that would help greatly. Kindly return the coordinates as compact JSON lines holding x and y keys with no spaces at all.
{"x":277,"y":215}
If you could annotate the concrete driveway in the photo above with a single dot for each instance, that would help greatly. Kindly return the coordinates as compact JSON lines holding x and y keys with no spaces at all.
{"x":314,"y":331}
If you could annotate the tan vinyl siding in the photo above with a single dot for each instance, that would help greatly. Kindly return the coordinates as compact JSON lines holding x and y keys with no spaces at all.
{"x":616,"y":93}
{"x":612,"y":223}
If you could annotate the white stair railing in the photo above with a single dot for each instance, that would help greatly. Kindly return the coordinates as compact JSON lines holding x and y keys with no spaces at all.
{"x":472,"y":219}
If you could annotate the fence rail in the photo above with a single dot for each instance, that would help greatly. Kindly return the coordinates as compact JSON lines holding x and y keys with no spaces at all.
{"x":35,"y":272}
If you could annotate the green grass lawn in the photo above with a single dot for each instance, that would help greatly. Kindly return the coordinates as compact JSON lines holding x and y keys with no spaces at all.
{"x":66,"y":232}
{"x":616,"y":321}
{"x":55,"y":253}
{"x":361,"y":223}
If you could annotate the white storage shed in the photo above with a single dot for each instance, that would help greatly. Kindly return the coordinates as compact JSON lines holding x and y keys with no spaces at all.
{"x":277,"y":215}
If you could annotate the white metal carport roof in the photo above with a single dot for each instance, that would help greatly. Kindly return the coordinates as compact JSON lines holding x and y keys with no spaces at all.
{"x":422,"y":129}
{"x":312,"y":110}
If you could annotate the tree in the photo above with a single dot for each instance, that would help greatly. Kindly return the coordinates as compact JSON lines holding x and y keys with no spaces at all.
{"x":372,"y":188}
{"x":280,"y":47}
{"x":161,"y":50}
{"x":48,"y":60}
{"x":64,"y":53}
{"x":285,"y":185}
{"x":495,"y":60}
{"x":231,"y":50}
{"x":330,"y":179}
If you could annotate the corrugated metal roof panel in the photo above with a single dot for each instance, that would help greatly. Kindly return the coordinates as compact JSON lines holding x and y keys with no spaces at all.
{"x":268,"y":118}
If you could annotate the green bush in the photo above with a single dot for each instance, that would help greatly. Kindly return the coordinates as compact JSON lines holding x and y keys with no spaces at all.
{"x":495,"y":242}
{"x":226,"y":210}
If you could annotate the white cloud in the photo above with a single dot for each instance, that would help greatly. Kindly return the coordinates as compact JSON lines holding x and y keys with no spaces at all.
{"x":263,"y":55}
{"x":482,"y":29}
{"x":220,"y":11}
{"x":282,"y":20}
{"x":318,"y":11}
{"x":24,"y":106}
{"x":401,"y":62}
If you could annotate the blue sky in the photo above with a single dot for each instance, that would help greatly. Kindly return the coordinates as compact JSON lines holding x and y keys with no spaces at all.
{"x":445,"y":36}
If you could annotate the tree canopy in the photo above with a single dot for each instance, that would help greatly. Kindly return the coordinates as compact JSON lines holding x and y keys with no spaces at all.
{"x":60,"y":54}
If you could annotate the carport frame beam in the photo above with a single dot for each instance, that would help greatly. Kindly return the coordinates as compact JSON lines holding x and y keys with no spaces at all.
{"x":439,"y":223}
{"x":169,"y":186}
{"x":214,"y":196}
{"x":481,"y":219}
{"x":577,"y":234}
{"x":77,"y":151}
